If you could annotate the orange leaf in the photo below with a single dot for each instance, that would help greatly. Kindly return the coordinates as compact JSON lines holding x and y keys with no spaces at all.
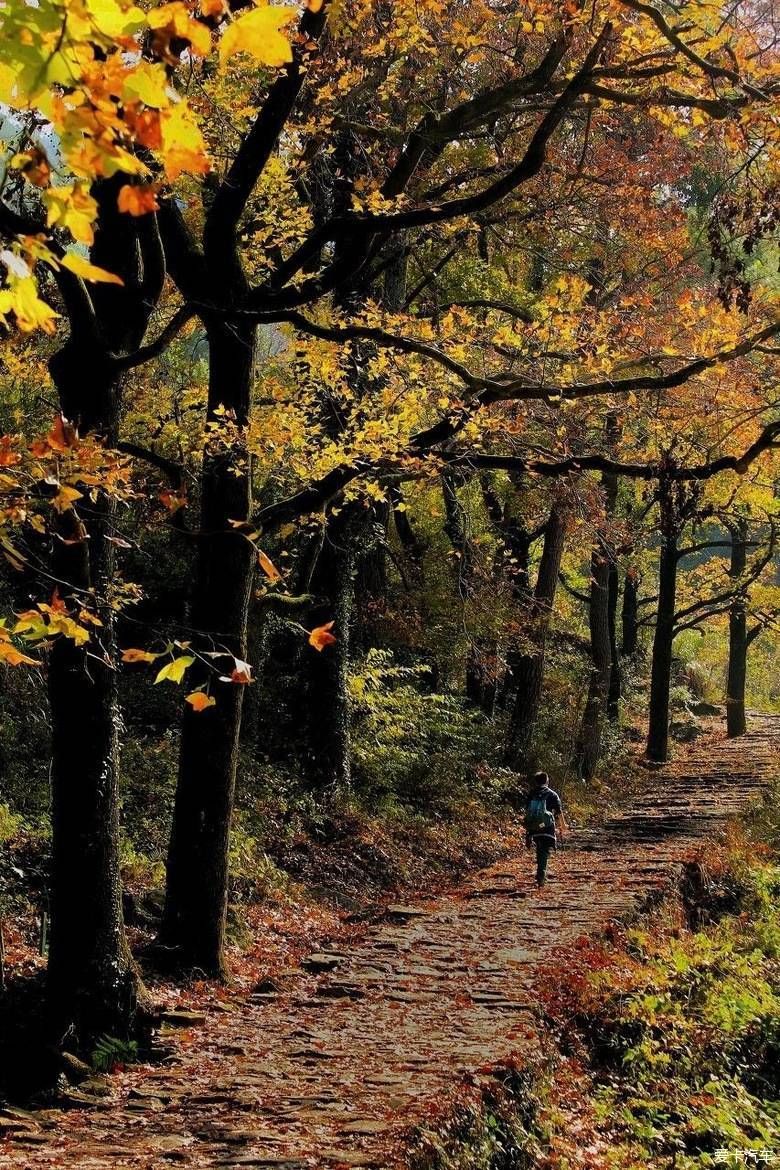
{"x":172,"y":500}
{"x":136,"y":200}
{"x":13,"y":657}
{"x":133,"y":655}
{"x":320,"y":636}
{"x":57,"y":605}
{"x":199,"y":700}
{"x":268,"y":567}
{"x":63,"y":435}
{"x":242,"y":672}
{"x":8,"y":457}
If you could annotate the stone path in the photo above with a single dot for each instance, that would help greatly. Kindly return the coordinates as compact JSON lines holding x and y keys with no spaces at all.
{"x":332,"y":1070}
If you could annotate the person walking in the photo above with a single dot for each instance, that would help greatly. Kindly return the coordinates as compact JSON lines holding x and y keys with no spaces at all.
{"x":544,"y":822}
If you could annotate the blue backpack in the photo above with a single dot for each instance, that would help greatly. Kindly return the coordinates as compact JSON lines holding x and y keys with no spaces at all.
{"x":538,"y":818}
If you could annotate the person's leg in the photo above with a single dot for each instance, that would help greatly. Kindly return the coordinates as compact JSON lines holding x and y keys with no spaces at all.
{"x":543,"y":848}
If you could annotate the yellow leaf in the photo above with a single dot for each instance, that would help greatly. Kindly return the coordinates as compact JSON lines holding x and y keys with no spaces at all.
{"x":82,"y":267}
{"x":257,"y":33}
{"x":65,"y":497}
{"x":183,"y":146}
{"x":71,"y":206}
{"x":148,"y":84}
{"x":61,"y":624}
{"x":31,"y":312}
{"x":115,"y":20}
{"x":174,"y":671}
{"x":199,"y":700}
{"x":32,"y":625}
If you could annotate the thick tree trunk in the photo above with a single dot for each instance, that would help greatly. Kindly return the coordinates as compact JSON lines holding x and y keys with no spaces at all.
{"x":589,"y":740}
{"x":93,"y":985}
{"x":738,"y":639}
{"x":92,"y":981}
{"x":661,"y":670}
{"x":630,"y":613}
{"x":528,"y":668}
{"x":197,"y":882}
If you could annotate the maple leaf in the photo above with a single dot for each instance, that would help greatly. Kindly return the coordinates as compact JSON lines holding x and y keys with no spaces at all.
{"x":199,"y":700}
{"x":134,"y":655}
{"x":148,"y":84}
{"x":70,"y":206}
{"x":258,"y":34}
{"x":174,"y":670}
{"x":137,"y":200}
{"x":183,"y":145}
{"x":320,"y":636}
{"x":172,"y":22}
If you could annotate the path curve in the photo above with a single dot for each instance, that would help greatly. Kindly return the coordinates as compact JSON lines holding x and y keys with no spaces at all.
{"x":332,"y":1070}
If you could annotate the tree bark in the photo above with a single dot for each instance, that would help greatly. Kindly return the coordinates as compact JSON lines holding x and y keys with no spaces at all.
{"x":615,"y":672}
{"x":325,"y":714}
{"x":92,"y":981}
{"x":661,"y":669}
{"x":93,"y":985}
{"x":197,"y":868}
{"x":630,"y":613}
{"x":589,"y":740}
{"x":738,"y":638}
{"x":528,"y":668}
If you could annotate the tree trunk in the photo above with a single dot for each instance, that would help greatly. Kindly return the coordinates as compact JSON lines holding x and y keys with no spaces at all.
{"x":610,"y":484}
{"x":661,"y":670}
{"x":630,"y":614}
{"x":528,"y":668}
{"x":91,"y":978}
{"x":93,"y":985}
{"x":738,"y":639}
{"x":615,"y":673}
{"x":325,"y":739}
{"x":589,"y":740}
{"x":197,"y":868}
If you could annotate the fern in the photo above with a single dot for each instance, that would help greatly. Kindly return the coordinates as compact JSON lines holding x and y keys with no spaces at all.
{"x":110,"y":1052}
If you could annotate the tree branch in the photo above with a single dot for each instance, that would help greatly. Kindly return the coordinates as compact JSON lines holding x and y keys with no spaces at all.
{"x":358,"y":225}
{"x":219,"y":235}
{"x":161,"y":342}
